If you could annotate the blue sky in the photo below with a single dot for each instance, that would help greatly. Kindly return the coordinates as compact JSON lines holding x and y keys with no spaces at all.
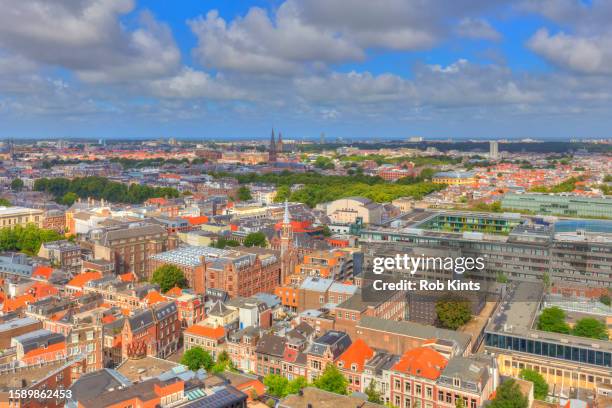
{"x":355,"y":69}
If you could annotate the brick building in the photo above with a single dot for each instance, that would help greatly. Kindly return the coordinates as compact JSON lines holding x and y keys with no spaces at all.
{"x":129,"y":245}
{"x":152,"y":332}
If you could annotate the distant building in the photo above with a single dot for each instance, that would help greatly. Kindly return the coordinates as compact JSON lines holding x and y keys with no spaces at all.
{"x":557,"y":204}
{"x":454,"y":178}
{"x":64,"y":254}
{"x":348,"y":210}
{"x":493,"y":150}
{"x":13,"y":216}
{"x":272,"y":149}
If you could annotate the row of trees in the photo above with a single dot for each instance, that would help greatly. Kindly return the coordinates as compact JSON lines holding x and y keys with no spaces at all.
{"x":26,"y":239}
{"x":66,"y":191}
{"x":552,"y":319}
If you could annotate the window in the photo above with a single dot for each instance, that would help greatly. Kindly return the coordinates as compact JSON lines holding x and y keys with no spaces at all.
{"x":407,"y":387}
{"x":429,"y":392}
{"x":417,"y":389}
{"x":398,"y":385}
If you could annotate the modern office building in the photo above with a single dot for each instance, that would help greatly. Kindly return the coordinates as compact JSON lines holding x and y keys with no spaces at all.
{"x":568,"y":363}
{"x":559,"y":204}
{"x":520,"y":248}
{"x":493,"y":150}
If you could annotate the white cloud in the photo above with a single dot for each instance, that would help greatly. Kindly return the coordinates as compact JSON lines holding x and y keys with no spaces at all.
{"x":192,"y":84}
{"x":256,"y":44}
{"x":85,"y":36}
{"x":588,"y":55}
{"x":477,"y":28}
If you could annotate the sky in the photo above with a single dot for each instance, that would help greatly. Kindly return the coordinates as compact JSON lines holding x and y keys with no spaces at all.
{"x":356,"y":69}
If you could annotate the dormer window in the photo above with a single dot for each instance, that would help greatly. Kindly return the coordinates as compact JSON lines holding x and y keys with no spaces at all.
{"x":340,"y":364}
{"x":456,"y":382}
{"x":353,"y":367}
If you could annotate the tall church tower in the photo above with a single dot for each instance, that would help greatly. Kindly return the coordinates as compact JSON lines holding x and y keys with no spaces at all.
{"x":279,"y":143}
{"x":272,"y":151}
{"x":287,"y":252}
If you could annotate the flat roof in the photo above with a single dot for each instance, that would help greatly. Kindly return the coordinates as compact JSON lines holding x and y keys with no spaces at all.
{"x":517,"y":312}
{"x":17,"y":210}
{"x":140,"y":369}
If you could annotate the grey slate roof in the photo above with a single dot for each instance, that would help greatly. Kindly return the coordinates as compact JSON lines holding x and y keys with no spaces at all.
{"x":271,"y":344}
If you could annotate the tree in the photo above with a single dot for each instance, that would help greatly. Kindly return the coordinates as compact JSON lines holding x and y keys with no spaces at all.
{"x":332,"y":380}
{"x":5,"y":203}
{"x":280,"y":387}
{"x":453,"y":313}
{"x":244,"y":194}
{"x":282,"y":194}
{"x":196,"y":358}
{"x":17,"y":184}
{"x":373,"y":395}
{"x":605,"y":299}
{"x":296,"y":385}
{"x":459,"y":403}
{"x":324,"y":163}
{"x":590,"y":327}
{"x":276,"y":385}
{"x":169,"y":276}
{"x":326,"y":231}
{"x":256,"y":239}
{"x":540,"y":387}
{"x":546,"y":281}
{"x":69,"y":198}
{"x":223,"y":242}
{"x":509,"y":395}
{"x":26,"y":239}
{"x":552,"y":319}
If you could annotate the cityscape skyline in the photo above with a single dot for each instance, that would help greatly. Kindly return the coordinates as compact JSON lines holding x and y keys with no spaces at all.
{"x":136,"y":69}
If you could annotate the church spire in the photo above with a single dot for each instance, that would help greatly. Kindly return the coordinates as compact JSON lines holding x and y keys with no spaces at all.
{"x":272,"y":151}
{"x":286,"y":219}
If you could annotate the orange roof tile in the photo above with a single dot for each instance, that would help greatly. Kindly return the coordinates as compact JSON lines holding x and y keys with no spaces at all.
{"x":197,"y":220}
{"x":256,"y":385}
{"x":44,"y":350}
{"x":42,"y":290}
{"x":127,"y":277}
{"x":357,"y":353}
{"x":81,"y":279}
{"x":108,"y":319}
{"x":10,"y":305}
{"x":206,"y":331}
{"x":154,"y":297}
{"x":42,"y":271}
{"x":175,"y":291}
{"x":421,"y":362}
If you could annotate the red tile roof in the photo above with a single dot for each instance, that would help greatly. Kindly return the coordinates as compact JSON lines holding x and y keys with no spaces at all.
{"x":10,"y":305}
{"x":421,"y":362}
{"x":81,"y":279}
{"x":175,"y":291}
{"x":42,"y":290}
{"x":357,"y":353}
{"x":206,"y":331}
{"x":42,"y":271}
{"x":154,"y":297}
{"x":127,"y":277}
{"x":197,"y":220}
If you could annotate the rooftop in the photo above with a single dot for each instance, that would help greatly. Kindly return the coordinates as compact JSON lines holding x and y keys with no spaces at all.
{"x":143,"y":368}
{"x":190,"y":255}
{"x":517,"y":312}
